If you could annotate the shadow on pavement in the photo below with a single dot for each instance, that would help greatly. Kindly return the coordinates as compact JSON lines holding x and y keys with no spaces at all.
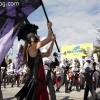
{"x":68,"y":98}
{"x":65,"y":98}
{"x":73,"y":98}
{"x":9,"y":98}
{"x":98,"y":95}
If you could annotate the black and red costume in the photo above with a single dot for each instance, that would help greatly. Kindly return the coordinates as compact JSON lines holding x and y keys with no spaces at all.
{"x":35,"y":87}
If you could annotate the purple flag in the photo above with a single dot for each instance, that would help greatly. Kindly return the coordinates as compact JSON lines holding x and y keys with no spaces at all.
{"x":12,"y":15}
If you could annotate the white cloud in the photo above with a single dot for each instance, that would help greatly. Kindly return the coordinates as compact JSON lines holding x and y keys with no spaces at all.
{"x":74,"y":21}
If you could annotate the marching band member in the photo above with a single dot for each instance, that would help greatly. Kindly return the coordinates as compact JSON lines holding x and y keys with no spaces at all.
{"x":88,"y":78}
{"x":74,"y":78}
{"x":82,"y":77}
{"x":61,"y":65}
{"x":10,"y":67}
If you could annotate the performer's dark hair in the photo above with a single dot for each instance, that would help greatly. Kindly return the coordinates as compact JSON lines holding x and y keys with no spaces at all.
{"x":28,"y":31}
{"x":25,"y":52}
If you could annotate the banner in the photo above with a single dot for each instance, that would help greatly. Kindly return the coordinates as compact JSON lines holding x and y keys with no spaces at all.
{"x":11,"y":18}
{"x":77,"y":51}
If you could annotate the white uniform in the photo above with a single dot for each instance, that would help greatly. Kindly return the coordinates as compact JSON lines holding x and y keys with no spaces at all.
{"x":61,"y":65}
{"x":82,"y":70}
{"x":11,"y":68}
{"x":88,"y":67}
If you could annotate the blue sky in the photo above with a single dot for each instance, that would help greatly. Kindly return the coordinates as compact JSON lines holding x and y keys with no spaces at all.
{"x":74,"y":21}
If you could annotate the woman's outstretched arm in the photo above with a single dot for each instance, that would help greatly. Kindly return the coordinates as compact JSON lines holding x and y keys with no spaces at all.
{"x":48,"y":39}
{"x":49,"y":51}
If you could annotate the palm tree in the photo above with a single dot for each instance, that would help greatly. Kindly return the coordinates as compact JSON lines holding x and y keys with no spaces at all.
{"x":97,"y":48}
{"x":98,"y":40}
{"x":84,"y":53}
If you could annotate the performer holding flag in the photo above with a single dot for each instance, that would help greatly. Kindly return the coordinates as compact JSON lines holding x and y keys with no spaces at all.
{"x":11,"y":19}
{"x":35,"y":87}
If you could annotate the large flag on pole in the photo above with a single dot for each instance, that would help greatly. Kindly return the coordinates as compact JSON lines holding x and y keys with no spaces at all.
{"x":12,"y":14}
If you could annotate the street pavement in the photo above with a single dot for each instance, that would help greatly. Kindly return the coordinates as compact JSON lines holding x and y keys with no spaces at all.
{"x":9,"y":92}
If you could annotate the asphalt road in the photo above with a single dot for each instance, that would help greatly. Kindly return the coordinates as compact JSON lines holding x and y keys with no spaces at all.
{"x":9,"y":92}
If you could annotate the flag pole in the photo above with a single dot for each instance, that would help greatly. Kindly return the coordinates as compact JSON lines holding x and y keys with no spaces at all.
{"x":48,"y":21}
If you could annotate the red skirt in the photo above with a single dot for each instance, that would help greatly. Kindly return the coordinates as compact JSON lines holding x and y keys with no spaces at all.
{"x":41,"y":93}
